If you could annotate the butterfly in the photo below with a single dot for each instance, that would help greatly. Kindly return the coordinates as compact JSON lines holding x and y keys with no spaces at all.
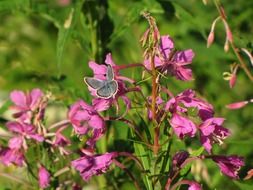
{"x":104,"y":88}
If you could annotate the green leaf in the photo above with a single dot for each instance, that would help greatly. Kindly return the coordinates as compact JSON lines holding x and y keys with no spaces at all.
{"x":198,"y":152}
{"x":132,"y":15}
{"x":243,"y":186}
{"x":145,"y":127}
{"x":65,"y":32}
{"x":10,"y":5}
{"x":5,"y":106}
{"x":187,"y":168}
{"x":141,"y":152}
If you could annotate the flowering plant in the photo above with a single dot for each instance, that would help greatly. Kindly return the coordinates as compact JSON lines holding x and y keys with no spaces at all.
{"x":157,"y":124}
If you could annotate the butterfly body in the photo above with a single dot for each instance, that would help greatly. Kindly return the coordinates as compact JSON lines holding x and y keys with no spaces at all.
{"x":104,"y":88}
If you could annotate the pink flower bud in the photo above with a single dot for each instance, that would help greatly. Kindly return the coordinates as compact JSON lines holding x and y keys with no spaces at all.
{"x":210,"y":39}
{"x":248,"y":54}
{"x":44,"y":177}
{"x":229,"y":35}
{"x":226,"y":45}
{"x":232,"y":80}
{"x":237,"y":105}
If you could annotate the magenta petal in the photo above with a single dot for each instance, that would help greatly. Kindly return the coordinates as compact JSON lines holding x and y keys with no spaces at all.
{"x":158,"y":63}
{"x":15,"y":127}
{"x":229,"y":165}
{"x":183,"y":73}
{"x":15,"y":142}
{"x":206,"y":142}
{"x":36,"y":95}
{"x":8,"y":156}
{"x":37,"y":137}
{"x":61,"y":140}
{"x":194,"y":186}
{"x":109,"y":60}
{"x":166,"y":45}
{"x":101,"y":104}
{"x":184,"y":57}
{"x":183,"y":126}
{"x":207,"y":127}
{"x":96,"y":122}
{"x":98,"y":70}
{"x":93,"y":165}
{"x":44,"y":177}
{"x":19,"y":99}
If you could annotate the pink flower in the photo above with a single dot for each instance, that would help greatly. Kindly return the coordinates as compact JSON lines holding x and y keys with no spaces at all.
{"x":211,"y":132}
{"x":44,"y":177}
{"x":24,"y":130}
{"x":179,"y":105}
{"x":93,"y":165}
{"x":173,"y":62}
{"x":26,"y":103}
{"x":183,"y":126}
{"x":99,"y":71}
{"x":85,"y":118}
{"x":61,"y":140}
{"x":229,"y":165}
{"x":188,"y":99}
{"x":14,"y":156}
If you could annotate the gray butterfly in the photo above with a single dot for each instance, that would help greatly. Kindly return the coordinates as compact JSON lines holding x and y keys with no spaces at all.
{"x":104,"y":88}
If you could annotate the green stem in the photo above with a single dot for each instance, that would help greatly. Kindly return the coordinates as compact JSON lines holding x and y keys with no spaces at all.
{"x":235,"y":49}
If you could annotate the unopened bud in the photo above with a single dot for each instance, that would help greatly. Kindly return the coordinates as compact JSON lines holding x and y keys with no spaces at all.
{"x":237,"y":105}
{"x":248,"y":54}
{"x":226,"y":46}
{"x":232,"y":80}
{"x":229,"y":35}
{"x":210,"y":39}
{"x":179,"y":158}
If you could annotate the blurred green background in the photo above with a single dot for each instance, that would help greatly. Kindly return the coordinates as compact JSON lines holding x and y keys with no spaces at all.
{"x":48,"y":43}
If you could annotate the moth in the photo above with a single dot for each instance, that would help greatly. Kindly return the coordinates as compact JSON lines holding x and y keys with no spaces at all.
{"x":104,"y":88}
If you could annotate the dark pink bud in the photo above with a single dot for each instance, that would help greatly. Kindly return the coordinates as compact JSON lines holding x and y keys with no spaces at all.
{"x":179,"y":158}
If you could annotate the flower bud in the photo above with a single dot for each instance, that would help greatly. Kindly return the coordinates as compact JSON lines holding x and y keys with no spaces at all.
{"x":44,"y":177}
{"x":232,"y":80}
{"x":226,"y":45}
{"x":210,"y":39}
{"x":237,"y":105}
{"x":179,"y":158}
{"x":229,"y":35}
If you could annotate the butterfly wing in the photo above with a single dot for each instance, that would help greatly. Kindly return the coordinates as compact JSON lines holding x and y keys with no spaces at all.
{"x":94,"y":83}
{"x":109,"y":73}
{"x":108,"y":90}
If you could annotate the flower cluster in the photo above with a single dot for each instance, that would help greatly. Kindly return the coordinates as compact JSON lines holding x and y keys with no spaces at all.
{"x":184,"y":115}
{"x":170,"y":61}
{"x":30,"y":110}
